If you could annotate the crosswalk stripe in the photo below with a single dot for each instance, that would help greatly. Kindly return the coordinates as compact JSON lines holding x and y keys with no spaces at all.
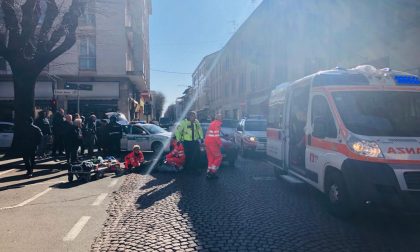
{"x":77,"y":228}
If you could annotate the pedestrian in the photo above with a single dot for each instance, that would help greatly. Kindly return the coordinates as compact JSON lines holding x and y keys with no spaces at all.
{"x":58,"y":133}
{"x":83,"y":146}
{"x":71,"y":139}
{"x":43,"y":123}
{"x":190,"y":134}
{"x":114,"y":135}
{"x":89,"y":134}
{"x":101,"y":136}
{"x":27,"y":141}
{"x":79,"y":135}
{"x":213,"y":146}
{"x":135,"y":158}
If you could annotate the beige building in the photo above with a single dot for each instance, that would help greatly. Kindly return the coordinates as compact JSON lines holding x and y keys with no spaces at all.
{"x":111,"y":54}
{"x":286,"y":40}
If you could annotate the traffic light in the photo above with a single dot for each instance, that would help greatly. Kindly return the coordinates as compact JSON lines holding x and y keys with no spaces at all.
{"x":53,"y":105}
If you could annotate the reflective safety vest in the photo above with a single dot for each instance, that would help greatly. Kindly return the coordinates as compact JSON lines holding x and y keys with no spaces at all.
{"x":213,"y":133}
{"x":184,"y":131}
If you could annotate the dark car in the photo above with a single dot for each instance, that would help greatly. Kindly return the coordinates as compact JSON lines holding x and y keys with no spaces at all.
{"x":165,"y":122}
{"x":229,"y":151}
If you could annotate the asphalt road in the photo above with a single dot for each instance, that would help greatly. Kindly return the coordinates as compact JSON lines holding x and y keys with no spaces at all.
{"x":45,"y":213}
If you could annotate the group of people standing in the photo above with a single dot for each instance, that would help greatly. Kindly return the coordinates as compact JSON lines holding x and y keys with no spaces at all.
{"x":69,"y":134}
{"x":190,"y":134}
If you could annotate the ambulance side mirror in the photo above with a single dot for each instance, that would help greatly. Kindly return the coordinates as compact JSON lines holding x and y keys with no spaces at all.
{"x":320,"y":128}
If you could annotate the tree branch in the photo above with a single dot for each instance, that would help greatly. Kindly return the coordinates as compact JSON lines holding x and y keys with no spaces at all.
{"x":51,"y":14}
{"x":29,"y":21}
{"x":11,"y":22}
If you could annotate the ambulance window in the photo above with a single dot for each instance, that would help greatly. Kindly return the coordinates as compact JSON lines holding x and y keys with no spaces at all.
{"x":275,"y":117}
{"x":320,"y":109}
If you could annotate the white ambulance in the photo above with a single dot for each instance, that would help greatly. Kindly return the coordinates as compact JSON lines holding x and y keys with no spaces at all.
{"x":354,"y":134}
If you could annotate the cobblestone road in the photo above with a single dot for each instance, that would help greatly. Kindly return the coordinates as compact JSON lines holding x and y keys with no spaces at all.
{"x":246,"y":209}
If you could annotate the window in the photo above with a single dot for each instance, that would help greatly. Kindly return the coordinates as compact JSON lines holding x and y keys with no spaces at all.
{"x":321,"y":111}
{"x":87,"y":60}
{"x":138,"y":131}
{"x":275,"y":116}
{"x":88,"y":16}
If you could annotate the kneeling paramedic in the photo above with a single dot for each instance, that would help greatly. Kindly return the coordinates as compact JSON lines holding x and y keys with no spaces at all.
{"x":135,"y":158}
{"x":213,"y":146}
{"x":176,"y":157}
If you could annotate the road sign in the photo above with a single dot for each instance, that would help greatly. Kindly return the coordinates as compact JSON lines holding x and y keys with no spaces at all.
{"x":76,"y":86}
{"x":65,"y":92}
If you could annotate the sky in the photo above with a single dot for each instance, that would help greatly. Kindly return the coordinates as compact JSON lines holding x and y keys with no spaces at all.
{"x":182,"y":32}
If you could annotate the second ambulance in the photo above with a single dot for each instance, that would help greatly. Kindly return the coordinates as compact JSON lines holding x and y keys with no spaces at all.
{"x":354,"y":134}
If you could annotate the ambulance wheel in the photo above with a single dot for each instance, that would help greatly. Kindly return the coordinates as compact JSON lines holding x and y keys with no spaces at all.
{"x":338,"y":198}
{"x":70,"y":177}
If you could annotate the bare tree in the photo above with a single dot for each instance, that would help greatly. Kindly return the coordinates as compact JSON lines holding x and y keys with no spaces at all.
{"x":32,"y":34}
{"x":158,"y":100}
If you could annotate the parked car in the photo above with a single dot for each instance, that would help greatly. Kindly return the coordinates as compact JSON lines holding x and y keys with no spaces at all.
{"x":229,"y":126}
{"x":6,"y":135}
{"x":150,"y":137}
{"x":165,"y":122}
{"x":251,"y":135}
{"x":229,"y":151}
{"x":121,"y":119}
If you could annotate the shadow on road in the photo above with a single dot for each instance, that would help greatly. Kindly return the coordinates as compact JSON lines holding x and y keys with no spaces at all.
{"x":29,"y":182}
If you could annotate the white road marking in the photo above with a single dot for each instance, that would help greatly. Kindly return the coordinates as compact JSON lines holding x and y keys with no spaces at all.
{"x":77,"y":228}
{"x":2,"y":173}
{"x":291,"y":179}
{"x":28,"y":200}
{"x":113,"y":183}
{"x":99,"y":199}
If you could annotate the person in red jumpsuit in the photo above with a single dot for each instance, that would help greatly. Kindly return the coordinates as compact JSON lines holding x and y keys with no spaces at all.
{"x":135,"y":158}
{"x":176,"y":157}
{"x":213,"y":146}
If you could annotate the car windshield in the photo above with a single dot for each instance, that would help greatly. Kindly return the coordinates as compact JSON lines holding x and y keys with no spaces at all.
{"x":153,"y":129}
{"x":256,"y":125}
{"x":380,"y":113}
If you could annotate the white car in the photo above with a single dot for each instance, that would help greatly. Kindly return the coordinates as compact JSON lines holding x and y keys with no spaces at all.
{"x":150,"y":137}
{"x":6,"y":135}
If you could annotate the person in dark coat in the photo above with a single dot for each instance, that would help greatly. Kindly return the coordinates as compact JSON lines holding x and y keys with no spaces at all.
{"x":101,"y":136}
{"x":43,"y":123}
{"x":28,"y":141}
{"x":72,"y":139}
{"x":89,"y":134}
{"x":58,"y":133}
{"x":114,"y":135}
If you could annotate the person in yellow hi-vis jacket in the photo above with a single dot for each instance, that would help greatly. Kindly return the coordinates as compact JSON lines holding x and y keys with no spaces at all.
{"x":189,"y":132}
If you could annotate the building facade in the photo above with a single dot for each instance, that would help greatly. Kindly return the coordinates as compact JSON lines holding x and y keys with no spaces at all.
{"x":111,"y":55}
{"x":286,"y":40}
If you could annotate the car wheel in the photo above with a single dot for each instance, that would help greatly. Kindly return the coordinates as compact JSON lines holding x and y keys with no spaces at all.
{"x":337,"y":196}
